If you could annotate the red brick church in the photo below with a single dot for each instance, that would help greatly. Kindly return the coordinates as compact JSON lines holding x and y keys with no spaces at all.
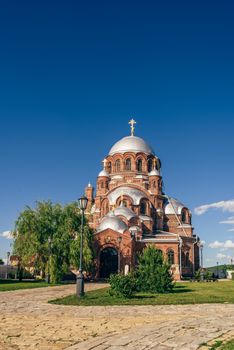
{"x":130,"y":210}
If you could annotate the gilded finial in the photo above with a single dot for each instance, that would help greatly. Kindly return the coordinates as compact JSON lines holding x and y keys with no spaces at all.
{"x":132,"y":123}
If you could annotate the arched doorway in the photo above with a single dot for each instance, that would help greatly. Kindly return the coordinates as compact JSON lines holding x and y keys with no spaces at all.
{"x":108,"y":262}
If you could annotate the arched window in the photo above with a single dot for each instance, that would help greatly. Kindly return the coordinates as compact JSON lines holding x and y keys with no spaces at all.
{"x":117,"y":165}
{"x":128,"y":164}
{"x":150,"y":165}
{"x":143,"y":208}
{"x":183,"y":216}
{"x":109,"y":167}
{"x":125,"y":203}
{"x":102,"y":184}
{"x":154,"y":184}
{"x":139,"y":165}
{"x":187,"y":262}
{"x":171,"y":257}
{"x":183,"y":259}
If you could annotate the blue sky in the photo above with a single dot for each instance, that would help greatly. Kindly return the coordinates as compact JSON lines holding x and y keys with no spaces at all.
{"x":72,"y":73}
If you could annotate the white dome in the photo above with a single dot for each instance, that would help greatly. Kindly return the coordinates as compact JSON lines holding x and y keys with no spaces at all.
{"x":103,"y":173}
{"x":173,"y":206}
{"x":124,"y":211}
{"x":113,"y":222}
{"x":131,"y":144}
{"x":154,"y":172}
{"x":135,"y":194}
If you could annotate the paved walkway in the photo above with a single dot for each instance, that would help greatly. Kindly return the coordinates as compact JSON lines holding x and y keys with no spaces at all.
{"x":27,"y":321}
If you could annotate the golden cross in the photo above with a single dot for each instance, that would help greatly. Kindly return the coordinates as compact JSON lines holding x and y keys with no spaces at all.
{"x":132,"y":125}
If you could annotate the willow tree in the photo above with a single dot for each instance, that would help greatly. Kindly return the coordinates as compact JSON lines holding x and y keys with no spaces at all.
{"x":48,"y":236}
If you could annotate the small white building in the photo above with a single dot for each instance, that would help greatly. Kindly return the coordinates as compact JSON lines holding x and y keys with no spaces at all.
{"x":229,"y":274}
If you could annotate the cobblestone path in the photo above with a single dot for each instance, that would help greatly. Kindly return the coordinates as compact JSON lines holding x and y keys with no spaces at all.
{"x":28,"y":322}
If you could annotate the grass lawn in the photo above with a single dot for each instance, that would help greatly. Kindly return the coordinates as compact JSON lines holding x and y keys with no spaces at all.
{"x":6,"y":285}
{"x":184,"y":293}
{"x":228,"y":346}
{"x":219,"y":345}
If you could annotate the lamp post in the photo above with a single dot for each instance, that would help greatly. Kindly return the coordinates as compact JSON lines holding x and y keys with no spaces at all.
{"x":82,"y":203}
{"x":201,"y":246}
{"x":202,"y":272}
{"x":7,"y":263}
{"x":217,"y":269}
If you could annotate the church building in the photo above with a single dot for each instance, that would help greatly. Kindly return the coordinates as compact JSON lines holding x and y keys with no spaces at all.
{"x":130,"y":211}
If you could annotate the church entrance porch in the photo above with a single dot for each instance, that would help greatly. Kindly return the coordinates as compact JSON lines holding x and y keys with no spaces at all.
{"x":109,"y":262}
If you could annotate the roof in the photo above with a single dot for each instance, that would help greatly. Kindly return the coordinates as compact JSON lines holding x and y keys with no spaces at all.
{"x":124,"y":211}
{"x":112,"y":222}
{"x":154,"y":172}
{"x":133,"y":193}
{"x":131,"y":144}
{"x":103,"y":173}
{"x":173,"y":206}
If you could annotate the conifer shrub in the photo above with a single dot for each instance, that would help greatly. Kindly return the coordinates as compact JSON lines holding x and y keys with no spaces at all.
{"x":123,"y":286}
{"x":153,"y":273}
{"x":151,"y":276}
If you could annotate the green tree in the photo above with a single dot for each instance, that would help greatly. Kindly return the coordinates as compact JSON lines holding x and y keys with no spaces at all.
{"x":153,"y":273}
{"x":1,"y":262}
{"x":49,"y":236}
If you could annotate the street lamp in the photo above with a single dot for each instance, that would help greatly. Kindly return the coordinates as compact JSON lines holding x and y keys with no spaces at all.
{"x":7,"y":263}
{"x":82,"y":204}
{"x":201,"y":246}
{"x":202,"y":272}
{"x":217,"y":269}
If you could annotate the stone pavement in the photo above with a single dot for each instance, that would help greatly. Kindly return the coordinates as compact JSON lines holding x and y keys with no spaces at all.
{"x":199,"y":324}
{"x":27,"y":321}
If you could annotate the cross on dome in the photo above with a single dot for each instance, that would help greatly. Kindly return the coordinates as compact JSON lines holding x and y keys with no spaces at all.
{"x":132,"y":123}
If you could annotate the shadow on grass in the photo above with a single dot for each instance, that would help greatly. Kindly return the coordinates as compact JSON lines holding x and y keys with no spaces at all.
{"x":17,"y":281}
{"x":180,"y":289}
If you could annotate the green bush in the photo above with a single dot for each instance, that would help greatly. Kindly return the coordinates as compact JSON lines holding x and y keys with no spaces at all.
{"x":208,"y":275}
{"x":153,"y":274}
{"x":123,"y":286}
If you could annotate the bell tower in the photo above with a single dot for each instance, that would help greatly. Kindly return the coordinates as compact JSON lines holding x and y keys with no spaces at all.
{"x":89,"y":193}
{"x":155,"y":180}
{"x":103,"y":181}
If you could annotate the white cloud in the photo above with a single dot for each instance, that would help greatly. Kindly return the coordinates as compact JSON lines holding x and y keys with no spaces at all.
{"x":223,"y":256}
{"x":224,"y":245}
{"x":229,"y":221}
{"x":227,"y":206}
{"x":231,"y":230}
{"x":6,"y":234}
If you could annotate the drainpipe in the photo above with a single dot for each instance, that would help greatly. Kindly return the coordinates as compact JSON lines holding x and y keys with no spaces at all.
{"x":194,"y":254}
{"x":180,"y":262}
